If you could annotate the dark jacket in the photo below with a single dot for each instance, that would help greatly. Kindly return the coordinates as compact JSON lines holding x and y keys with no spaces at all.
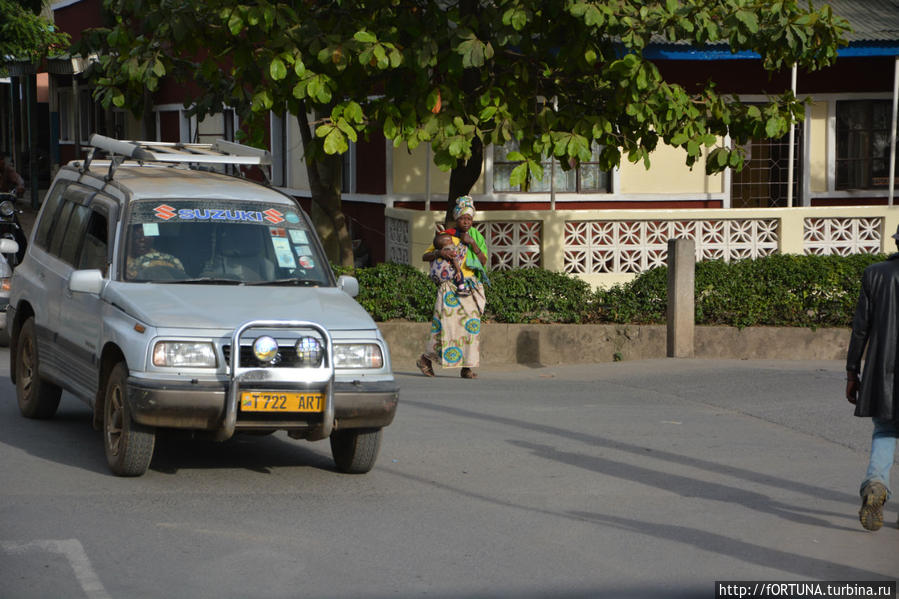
{"x":875,"y":326}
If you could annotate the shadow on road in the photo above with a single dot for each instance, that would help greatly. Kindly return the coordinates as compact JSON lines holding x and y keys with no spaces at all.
{"x":799,"y":565}
{"x":69,"y":439}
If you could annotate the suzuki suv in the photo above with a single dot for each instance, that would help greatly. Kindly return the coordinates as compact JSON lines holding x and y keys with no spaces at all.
{"x":173,"y":297}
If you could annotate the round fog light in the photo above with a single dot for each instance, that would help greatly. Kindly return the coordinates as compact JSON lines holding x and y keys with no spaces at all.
{"x":309,"y":351}
{"x":265,"y":348}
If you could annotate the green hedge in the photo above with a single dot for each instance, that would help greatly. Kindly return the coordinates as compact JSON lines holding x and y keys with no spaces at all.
{"x":779,"y":290}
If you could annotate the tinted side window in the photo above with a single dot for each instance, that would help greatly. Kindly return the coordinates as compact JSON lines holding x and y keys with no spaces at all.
{"x":93,"y":252}
{"x":71,"y":241}
{"x":59,"y":228}
{"x":48,"y":214}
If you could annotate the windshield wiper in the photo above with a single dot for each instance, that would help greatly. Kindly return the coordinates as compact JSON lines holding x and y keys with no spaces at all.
{"x":209,"y":281}
{"x":289,"y":281}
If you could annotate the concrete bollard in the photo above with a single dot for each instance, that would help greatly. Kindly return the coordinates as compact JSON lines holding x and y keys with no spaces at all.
{"x":681,"y":303}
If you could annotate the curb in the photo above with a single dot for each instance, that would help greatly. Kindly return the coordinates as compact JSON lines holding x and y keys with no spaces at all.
{"x":554,"y":344}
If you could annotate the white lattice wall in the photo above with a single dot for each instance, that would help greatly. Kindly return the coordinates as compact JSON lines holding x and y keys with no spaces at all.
{"x":398,"y":242}
{"x":513,"y":244}
{"x":632,"y":246}
{"x":842,"y":236}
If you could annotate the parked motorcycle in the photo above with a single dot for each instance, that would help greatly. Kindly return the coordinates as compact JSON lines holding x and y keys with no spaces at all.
{"x":10,"y":228}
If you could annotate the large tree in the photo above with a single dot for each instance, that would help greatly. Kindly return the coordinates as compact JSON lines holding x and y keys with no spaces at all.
{"x":25,"y":35}
{"x":558,"y":78}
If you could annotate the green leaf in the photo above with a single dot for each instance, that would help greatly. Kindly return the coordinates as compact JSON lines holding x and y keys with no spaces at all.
{"x":335,"y":142}
{"x":749,"y":19}
{"x":347,"y":129}
{"x":262,"y":101}
{"x":158,"y":68}
{"x":773,"y":126}
{"x":324,"y":130}
{"x":353,"y":113}
{"x":390,"y":129}
{"x":277,"y":70}
{"x":235,"y":23}
{"x":519,"y":174}
{"x":366,"y":37}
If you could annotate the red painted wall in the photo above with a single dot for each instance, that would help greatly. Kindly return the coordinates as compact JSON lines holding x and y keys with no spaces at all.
{"x":75,"y":18}
{"x":371,"y":165}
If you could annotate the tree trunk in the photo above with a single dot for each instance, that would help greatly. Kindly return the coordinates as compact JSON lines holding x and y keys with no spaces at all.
{"x":463,"y":178}
{"x":324,"y":185}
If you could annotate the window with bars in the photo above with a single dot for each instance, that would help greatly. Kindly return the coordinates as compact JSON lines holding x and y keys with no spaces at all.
{"x":863,"y":144}
{"x":586,"y":178}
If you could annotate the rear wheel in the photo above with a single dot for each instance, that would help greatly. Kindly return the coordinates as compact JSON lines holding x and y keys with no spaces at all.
{"x":356,"y":450}
{"x":37,"y":398}
{"x":129,"y":445}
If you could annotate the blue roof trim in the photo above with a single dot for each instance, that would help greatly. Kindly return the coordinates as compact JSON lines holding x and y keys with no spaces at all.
{"x":678,"y":52}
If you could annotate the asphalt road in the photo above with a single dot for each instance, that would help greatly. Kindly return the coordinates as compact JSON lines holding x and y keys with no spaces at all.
{"x":632,"y":479}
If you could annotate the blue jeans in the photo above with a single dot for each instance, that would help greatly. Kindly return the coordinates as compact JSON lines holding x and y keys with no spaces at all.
{"x":883,"y":451}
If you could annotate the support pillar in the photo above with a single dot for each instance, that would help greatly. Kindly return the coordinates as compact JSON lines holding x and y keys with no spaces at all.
{"x":681,"y":301}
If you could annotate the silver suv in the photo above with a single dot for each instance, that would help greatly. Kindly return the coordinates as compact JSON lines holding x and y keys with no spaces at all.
{"x":166,"y":296}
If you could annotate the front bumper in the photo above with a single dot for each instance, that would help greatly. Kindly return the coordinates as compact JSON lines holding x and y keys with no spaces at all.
{"x":201,"y":406}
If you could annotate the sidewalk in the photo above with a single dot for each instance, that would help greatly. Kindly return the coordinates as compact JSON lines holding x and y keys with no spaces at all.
{"x":552,"y":344}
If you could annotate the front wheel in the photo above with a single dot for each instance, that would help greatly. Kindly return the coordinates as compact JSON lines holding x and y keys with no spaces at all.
{"x":129,"y":445}
{"x":356,"y":450}
{"x":36,"y":397}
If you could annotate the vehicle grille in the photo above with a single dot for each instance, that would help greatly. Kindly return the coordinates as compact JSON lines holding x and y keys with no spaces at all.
{"x":287,"y":358}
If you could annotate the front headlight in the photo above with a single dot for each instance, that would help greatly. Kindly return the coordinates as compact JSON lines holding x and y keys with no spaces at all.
{"x":184,"y":354}
{"x":357,"y":355}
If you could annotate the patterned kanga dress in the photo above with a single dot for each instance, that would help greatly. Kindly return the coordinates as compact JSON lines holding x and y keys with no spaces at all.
{"x":456,"y":325}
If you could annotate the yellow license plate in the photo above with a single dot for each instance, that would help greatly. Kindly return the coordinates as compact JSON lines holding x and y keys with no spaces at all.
{"x":281,"y":401}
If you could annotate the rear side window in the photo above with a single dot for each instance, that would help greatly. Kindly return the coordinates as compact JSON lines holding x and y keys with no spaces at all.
{"x":93,"y":252}
{"x":71,"y":241}
{"x":58,"y":231}
{"x":55,"y":215}
{"x":48,"y":214}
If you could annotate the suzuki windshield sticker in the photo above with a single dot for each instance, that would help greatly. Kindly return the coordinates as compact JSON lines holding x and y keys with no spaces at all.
{"x":235,"y":212}
{"x":298,"y":237}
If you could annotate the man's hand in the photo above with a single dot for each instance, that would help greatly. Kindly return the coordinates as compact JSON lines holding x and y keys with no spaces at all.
{"x":852,"y":388}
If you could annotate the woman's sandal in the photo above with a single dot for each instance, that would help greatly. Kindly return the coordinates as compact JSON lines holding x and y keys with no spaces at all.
{"x":424,"y":364}
{"x":468,"y":373}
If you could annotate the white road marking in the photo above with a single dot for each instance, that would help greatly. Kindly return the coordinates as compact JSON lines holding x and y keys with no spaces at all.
{"x":73,"y":551}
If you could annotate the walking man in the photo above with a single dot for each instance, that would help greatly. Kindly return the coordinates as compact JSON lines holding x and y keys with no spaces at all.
{"x":876,"y":326}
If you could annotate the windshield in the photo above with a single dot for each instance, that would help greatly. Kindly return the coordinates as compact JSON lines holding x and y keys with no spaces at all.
{"x":216,"y":241}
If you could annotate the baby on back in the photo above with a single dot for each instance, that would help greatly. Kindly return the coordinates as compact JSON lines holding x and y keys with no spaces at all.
{"x":443,"y":269}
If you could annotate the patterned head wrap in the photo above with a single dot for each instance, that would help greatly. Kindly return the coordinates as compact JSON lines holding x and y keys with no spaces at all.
{"x":464,"y":205}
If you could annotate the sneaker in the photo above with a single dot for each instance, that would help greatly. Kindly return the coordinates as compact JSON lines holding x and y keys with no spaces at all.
{"x":874,"y":495}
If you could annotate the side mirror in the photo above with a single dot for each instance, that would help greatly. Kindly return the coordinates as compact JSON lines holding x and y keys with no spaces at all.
{"x":348,"y":285}
{"x":87,"y":281}
{"x":8,"y":246}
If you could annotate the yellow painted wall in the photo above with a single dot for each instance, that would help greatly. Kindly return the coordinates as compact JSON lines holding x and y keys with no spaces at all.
{"x":817,"y":149}
{"x":668,"y":174}
{"x":410,"y":168}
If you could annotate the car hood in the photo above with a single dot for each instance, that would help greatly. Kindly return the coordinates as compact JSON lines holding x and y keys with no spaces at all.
{"x":226,"y":307}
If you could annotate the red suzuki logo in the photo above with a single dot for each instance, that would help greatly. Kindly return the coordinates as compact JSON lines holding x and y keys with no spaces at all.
{"x":165,"y":212}
{"x":273,"y":216}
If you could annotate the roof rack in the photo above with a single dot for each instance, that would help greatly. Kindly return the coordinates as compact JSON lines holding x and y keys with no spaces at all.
{"x":220,"y":152}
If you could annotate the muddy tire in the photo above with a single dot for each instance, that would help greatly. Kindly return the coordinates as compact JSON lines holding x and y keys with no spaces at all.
{"x":128,"y":445}
{"x":356,"y":450}
{"x":36,"y":397}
